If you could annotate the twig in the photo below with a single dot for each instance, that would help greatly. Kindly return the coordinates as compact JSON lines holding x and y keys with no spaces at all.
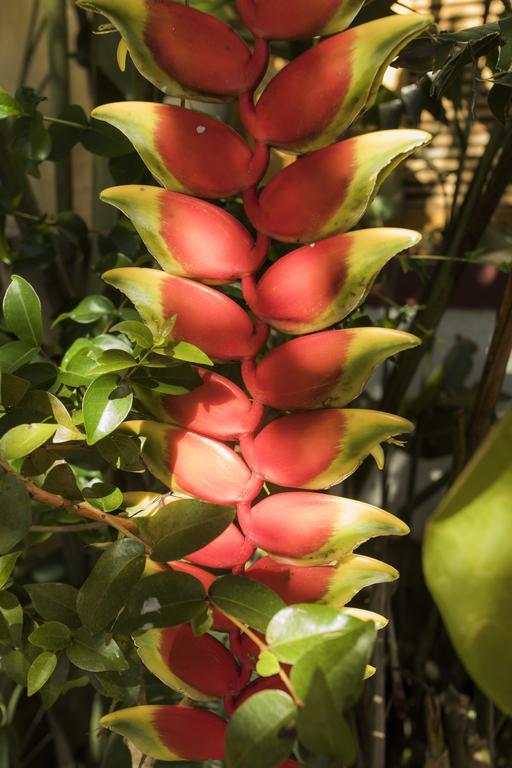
{"x":72,"y":528}
{"x":82,"y":509}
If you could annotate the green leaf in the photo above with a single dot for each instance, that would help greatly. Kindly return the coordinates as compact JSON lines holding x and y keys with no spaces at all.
{"x":15,"y":512}
{"x":22,"y":311}
{"x":321,"y":727}
{"x":122,"y":686}
{"x":96,"y":653}
{"x":40,"y":671}
{"x":297,"y":628}
{"x":103,"y":496}
{"x":136,"y":332}
{"x":15,"y":354}
{"x":342,"y":660}
{"x":467,"y":559}
{"x":261,"y":731}
{"x":89,"y":310}
{"x":22,"y":440}
{"x":15,"y":666}
{"x":248,"y":601}
{"x":12,"y":613}
{"x":122,"y":451}
{"x":54,"y":686}
{"x":104,"y":410}
{"x":9,"y":106}
{"x":183,"y":350}
{"x":12,"y":389}
{"x":55,"y":602}
{"x":267,"y":664}
{"x":184,"y":526}
{"x":108,"y":586}
{"x":64,"y":137}
{"x":7,"y":562}
{"x":114,"y":360}
{"x":163,"y":599}
{"x":51,"y":636}
{"x":61,"y":480}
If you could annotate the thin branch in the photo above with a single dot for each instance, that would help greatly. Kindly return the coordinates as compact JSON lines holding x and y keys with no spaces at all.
{"x":72,"y":528}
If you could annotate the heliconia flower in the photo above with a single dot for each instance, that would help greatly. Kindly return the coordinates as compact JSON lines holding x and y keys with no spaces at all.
{"x":220,"y":622}
{"x":273,"y":683}
{"x":184,"y":51}
{"x":229,"y":550}
{"x":187,"y":151}
{"x":297,"y":19}
{"x":316,"y":450}
{"x":217,"y":407}
{"x":189,"y":237}
{"x":201,"y":668}
{"x":308,"y":528}
{"x":318,"y":285}
{"x":229,"y":333}
{"x":328,"y":584}
{"x":323,"y":369}
{"x":295,"y":114}
{"x":170,"y":732}
{"x":329,"y":190}
{"x":192,"y":464}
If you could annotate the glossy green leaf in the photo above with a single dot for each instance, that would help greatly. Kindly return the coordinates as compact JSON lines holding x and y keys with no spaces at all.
{"x":248,"y":601}
{"x":136,"y":332}
{"x":89,"y":310}
{"x":267,"y":664}
{"x":114,"y":360}
{"x":183,"y":350}
{"x":61,"y":480}
{"x":122,"y":451}
{"x":55,"y":602}
{"x":54,"y":686}
{"x":12,"y":389}
{"x":163,"y":599}
{"x":184,"y":526}
{"x":22,"y":311}
{"x":342,"y":660}
{"x":15,"y":512}
{"x":96,"y":653}
{"x":12,"y":614}
{"x":106,"y":589}
{"x":22,"y":440}
{"x":103,"y":496}
{"x":7,"y":562}
{"x":321,"y":727}
{"x":467,"y":560}
{"x":9,"y":106}
{"x":104,"y":408}
{"x":51,"y":636}
{"x":40,"y":671}
{"x":261,"y":732}
{"x":15,"y":354}
{"x":298,"y":628}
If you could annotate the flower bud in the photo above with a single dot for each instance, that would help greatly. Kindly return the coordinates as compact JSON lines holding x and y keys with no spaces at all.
{"x":201,"y":667}
{"x":296,"y":19}
{"x":321,"y":370}
{"x":317,"y":528}
{"x":317,"y":450}
{"x":229,"y":550}
{"x":318,"y":285}
{"x":168,"y":732}
{"x":187,"y":151}
{"x":329,"y":190}
{"x":187,"y":236}
{"x":229,"y":333}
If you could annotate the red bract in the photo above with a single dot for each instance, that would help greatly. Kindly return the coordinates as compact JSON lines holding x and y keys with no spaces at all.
{"x":217,"y":407}
{"x":189,"y":237}
{"x":199,"y":667}
{"x":296,"y":19}
{"x":187,"y":151}
{"x":229,"y":550}
{"x":273,"y":683}
{"x":323,"y":369}
{"x":204,"y":317}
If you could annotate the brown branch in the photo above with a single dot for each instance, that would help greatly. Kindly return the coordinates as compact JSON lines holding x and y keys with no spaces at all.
{"x":494,"y":371}
{"x":82,"y":509}
{"x":78,"y":528}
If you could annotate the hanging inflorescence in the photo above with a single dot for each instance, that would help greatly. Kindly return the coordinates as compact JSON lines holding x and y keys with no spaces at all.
{"x":316,"y":442}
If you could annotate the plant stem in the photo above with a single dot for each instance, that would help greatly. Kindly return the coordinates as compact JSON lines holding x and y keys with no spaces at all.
{"x":72,"y":528}
{"x":82,"y":509}
{"x":494,"y":371}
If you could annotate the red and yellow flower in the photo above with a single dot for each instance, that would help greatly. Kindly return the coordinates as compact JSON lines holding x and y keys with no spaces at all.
{"x":296,"y":19}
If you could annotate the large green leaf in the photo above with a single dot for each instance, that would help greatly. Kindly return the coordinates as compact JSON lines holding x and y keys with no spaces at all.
{"x":23,"y":439}
{"x":248,"y":601}
{"x":106,"y":589}
{"x":467,"y":559}
{"x":296,"y":629}
{"x":96,"y":653}
{"x":22,"y":311}
{"x":261,"y":732}
{"x":15,"y":514}
{"x":182,"y":527}
{"x":163,"y":599}
{"x":51,"y":636}
{"x":55,"y":602}
{"x":104,"y":407}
